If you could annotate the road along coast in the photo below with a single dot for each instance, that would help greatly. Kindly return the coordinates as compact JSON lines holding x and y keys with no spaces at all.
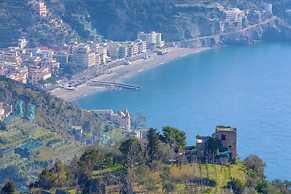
{"x":120,"y":73}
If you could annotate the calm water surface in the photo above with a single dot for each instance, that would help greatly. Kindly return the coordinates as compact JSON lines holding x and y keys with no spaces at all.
{"x":248,"y":87}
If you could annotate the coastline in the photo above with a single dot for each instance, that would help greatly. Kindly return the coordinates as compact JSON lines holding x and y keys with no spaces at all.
{"x":123,"y":72}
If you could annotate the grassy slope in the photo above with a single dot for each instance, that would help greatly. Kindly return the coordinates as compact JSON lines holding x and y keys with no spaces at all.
{"x":220,"y":174}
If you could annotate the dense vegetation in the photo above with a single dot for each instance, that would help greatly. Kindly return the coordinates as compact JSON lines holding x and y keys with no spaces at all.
{"x":19,"y":20}
{"x":50,"y":112}
{"x":71,"y":21}
{"x":26,"y":146}
{"x":155,"y":165}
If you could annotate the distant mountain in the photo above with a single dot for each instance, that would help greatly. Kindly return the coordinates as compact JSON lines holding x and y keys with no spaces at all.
{"x":70,"y":21}
{"x":176,"y":19}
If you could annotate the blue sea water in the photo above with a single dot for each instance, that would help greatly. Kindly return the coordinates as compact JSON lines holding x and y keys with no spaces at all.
{"x":247,"y":87}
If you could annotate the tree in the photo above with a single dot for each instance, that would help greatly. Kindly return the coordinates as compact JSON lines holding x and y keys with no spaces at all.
{"x":87,"y":163}
{"x":138,"y":121}
{"x":61,"y":174}
{"x":165,"y":152}
{"x":142,"y":173}
{"x":2,"y":126}
{"x":254,"y":163}
{"x":90,"y":158}
{"x":132,"y":151}
{"x":236,"y":185}
{"x":174,"y":137}
{"x":125,"y":183}
{"x":8,"y":188}
{"x":47,"y":179}
{"x":151,"y":184}
{"x":282,"y":186}
{"x":167,"y":184}
{"x":213,"y":145}
{"x":153,"y":144}
{"x":263,"y":187}
{"x":12,"y":173}
{"x":72,"y":173}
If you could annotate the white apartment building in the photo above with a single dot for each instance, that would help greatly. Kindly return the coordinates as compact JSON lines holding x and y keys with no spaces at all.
{"x":83,"y":56}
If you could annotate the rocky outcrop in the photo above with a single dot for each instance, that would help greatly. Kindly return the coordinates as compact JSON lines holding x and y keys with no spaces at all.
{"x":272,"y":29}
{"x":182,"y":20}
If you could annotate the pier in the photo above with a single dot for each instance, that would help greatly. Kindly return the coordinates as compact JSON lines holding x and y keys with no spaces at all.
{"x":114,"y":85}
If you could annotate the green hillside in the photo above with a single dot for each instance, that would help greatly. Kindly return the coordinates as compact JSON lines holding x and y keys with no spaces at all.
{"x":71,"y":21}
{"x":19,"y":20}
{"x":33,"y":144}
{"x":131,"y":167}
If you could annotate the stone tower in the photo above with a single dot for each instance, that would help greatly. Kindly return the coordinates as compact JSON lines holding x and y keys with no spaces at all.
{"x":228,"y":137}
{"x":127,"y":120}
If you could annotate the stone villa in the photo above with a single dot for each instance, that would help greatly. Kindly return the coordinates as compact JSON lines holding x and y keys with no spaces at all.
{"x":226,"y":135}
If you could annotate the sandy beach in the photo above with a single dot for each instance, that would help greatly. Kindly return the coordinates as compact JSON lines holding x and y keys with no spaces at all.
{"x":123,"y":72}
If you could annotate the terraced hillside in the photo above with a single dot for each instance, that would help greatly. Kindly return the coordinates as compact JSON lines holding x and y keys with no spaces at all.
{"x":31,"y":144}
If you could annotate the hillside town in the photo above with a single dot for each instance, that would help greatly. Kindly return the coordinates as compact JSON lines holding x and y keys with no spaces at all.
{"x":54,"y":67}
{"x":45,"y":67}
{"x":39,"y":66}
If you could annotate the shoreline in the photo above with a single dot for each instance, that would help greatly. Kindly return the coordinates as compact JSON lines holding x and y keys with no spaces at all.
{"x":120,"y":73}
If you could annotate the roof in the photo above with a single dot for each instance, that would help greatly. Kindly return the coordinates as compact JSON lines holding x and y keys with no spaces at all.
{"x":225,"y":128}
{"x":102,"y":111}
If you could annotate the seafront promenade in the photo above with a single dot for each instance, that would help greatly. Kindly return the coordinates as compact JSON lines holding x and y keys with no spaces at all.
{"x":120,"y":73}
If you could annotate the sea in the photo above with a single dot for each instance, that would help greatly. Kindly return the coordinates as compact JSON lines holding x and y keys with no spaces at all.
{"x":246,"y":87}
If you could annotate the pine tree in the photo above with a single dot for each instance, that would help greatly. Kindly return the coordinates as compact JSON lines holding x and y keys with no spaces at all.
{"x":8,"y":188}
{"x":153,"y":144}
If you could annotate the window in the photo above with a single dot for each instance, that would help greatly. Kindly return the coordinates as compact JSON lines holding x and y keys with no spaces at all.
{"x":223,"y":137}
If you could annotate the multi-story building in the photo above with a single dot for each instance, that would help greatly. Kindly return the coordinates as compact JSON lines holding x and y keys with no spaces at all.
{"x":113,"y":50}
{"x":102,"y":50}
{"x":62,"y":57}
{"x":83,"y":56}
{"x":36,"y":73}
{"x":201,"y":145}
{"x":133,"y":49}
{"x":15,"y":72}
{"x":152,"y":38}
{"x":10,"y":56}
{"x":233,"y":20}
{"x":226,"y":135}
{"x":98,"y":59}
{"x":121,"y":119}
{"x":22,"y":42}
{"x":123,"y":51}
{"x":40,"y":9}
{"x":142,"y":47}
{"x":19,"y":73}
{"x":52,"y":64}
{"x":44,"y":52}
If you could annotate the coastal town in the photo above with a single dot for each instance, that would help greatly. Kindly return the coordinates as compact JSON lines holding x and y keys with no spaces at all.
{"x":76,"y":69}
{"x":50,"y":68}
{"x":107,"y":96}
{"x":42,"y":66}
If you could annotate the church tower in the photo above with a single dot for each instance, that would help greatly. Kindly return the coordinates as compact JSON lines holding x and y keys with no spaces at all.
{"x":127,"y":120}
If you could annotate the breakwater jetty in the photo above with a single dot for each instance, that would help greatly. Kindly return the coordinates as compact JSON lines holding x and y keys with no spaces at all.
{"x":114,"y":85}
